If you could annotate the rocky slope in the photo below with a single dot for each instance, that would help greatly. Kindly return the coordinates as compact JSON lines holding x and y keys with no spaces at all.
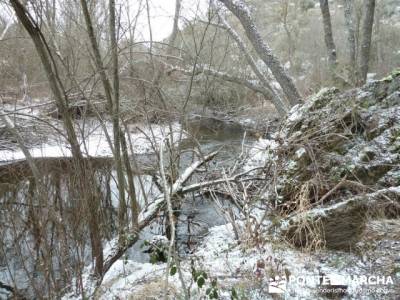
{"x":338,"y":162}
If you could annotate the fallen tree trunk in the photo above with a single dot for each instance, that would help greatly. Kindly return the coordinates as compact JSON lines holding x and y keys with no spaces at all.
{"x":233,"y":178}
{"x":149,"y":214}
{"x":250,"y":84}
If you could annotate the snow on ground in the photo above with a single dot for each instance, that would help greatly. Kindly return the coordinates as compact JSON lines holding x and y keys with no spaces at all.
{"x":260,"y":152}
{"x":125,"y":276}
{"x":94,"y":142}
{"x":247,"y":269}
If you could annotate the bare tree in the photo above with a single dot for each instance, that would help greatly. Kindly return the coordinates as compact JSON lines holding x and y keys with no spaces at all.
{"x":82,"y":168}
{"x":240,"y":9}
{"x":351,"y":39}
{"x":112,"y":95}
{"x":330,"y":45}
{"x":290,"y":39}
{"x":329,"y":42}
{"x":365,"y":45}
{"x":115,"y":114}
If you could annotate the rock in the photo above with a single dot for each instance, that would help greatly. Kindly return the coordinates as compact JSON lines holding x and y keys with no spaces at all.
{"x":335,"y":147}
{"x":339,"y":226}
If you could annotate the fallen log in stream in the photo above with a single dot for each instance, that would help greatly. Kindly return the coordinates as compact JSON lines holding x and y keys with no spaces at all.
{"x":147,"y":216}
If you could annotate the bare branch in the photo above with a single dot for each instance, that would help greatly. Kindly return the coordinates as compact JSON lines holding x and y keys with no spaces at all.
{"x":150,"y":212}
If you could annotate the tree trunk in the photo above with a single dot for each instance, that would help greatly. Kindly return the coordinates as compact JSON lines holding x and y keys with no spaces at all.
{"x":351,"y":39}
{"x":366,"y":29}
{"x":273,"y":95}
{"x":112,"y":95}
{"x":242,"y":12}
{"x":328,"y":35}
{"x":122,"y":211}
{"x":83,"y":170}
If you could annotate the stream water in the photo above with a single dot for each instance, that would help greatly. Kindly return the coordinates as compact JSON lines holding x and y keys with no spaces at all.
{"x":22,"y":259}
{"x":198,"y":211}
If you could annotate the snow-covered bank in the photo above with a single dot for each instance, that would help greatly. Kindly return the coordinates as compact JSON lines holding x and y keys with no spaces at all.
{"x":94,"y":143}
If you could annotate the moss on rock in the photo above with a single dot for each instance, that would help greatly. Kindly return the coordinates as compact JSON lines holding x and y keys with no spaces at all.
{"x":351,"y":137}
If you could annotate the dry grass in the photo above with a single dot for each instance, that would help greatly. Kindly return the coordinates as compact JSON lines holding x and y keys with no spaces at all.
{"x":307,"y":234}
{"x":154,"y":290}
